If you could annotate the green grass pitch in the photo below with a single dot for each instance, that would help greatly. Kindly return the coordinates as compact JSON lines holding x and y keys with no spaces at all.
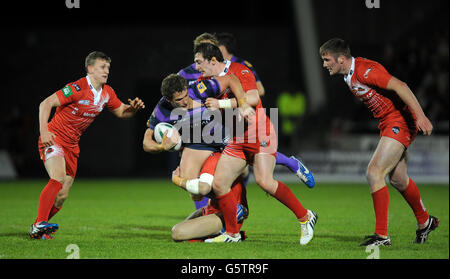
{"x":132,"y":219}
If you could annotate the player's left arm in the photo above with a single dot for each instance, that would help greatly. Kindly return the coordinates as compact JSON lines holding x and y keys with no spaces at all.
{"x":408,"y":97}
{"x":127,"y":111}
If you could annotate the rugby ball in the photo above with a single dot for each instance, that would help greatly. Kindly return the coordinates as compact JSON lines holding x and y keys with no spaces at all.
{"x":159,"y":131}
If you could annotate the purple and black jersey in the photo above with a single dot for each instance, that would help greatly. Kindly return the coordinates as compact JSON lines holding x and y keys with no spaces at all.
{"x":191,"y":74}
{"x":199,"y":121}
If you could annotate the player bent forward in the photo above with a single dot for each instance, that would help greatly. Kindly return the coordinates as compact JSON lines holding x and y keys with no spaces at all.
{"x":400,"y":116}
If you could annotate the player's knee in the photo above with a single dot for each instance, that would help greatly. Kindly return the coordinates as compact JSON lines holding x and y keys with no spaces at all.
{"x":265,"y":183}
{"x":400,"y":183}
{"x":177,"y":233}
{"x":374,"y":174}
{"x":218,"y":187}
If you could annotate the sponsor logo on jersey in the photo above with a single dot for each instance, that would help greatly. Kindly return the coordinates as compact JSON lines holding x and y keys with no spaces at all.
{"x":248,"y":64}
{"x":84,"y":102}
{"x":243,"y":72}
{"x":366,"y":74}
{"x":201,"y":87}
{"x":67,"y":91}
{"x":77,"y":87}
{"x":89,"y":114}
{"x":396,"y":130}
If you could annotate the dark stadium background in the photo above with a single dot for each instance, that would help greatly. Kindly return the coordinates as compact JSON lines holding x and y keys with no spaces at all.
{"x":44,"y":46}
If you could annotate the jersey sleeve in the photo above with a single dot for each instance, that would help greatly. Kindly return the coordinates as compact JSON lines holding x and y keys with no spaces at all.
{"x":246,"y":77}
{"x":67,"y":94}
{"x":375,"y":75}
{"x":153,"y":120}
{"x":203,"y":89}
{"x":114,"y":102}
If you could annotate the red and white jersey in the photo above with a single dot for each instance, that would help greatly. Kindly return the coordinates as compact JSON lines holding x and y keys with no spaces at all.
{"x":80,"y":104}
{"x":248,"y":82}
{"x":367,"y":80}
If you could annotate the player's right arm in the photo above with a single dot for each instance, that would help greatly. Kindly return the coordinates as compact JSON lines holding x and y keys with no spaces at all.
{"x":151,"y":146}
{"x":408,"y":97}
{"x":45,"y":108}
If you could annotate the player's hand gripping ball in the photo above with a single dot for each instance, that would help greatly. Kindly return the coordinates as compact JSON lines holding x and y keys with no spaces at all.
{"x":172,"y":133}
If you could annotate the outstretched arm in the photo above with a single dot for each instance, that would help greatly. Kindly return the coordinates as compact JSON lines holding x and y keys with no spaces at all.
{"x":127,"y":111}
{"x":407,"y":96}
{"x":45,"y":108}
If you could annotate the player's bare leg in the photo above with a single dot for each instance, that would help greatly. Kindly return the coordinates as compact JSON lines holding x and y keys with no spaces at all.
{"x":399,"y":179}
{"x":192,"y":161}
{"x":386,"y":156}
{"x":64,"y":192}
{"x":200,"y":227}
{"x":56,"y":169}
{"x":190,"y":165}
{"x":263,"y":168}
{"x":227,"y":170}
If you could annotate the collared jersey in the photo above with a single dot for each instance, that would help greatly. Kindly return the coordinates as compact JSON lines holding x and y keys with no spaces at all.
{"x":368,"y":81}
{"x":80,"y":104}
{"x":191,"y":74}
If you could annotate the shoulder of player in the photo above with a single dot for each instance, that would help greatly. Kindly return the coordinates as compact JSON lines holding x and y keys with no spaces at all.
{"x":75,"y":87}
{"x":238,"y":68}
{"x":363,"y":66}
{"x":243,"y":62}
{"x":189,"y":69}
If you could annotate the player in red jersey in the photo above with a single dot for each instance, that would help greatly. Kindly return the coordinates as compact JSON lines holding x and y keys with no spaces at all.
{"x":400,"y":118}
{"x":256,"y":146}
{"x":208,"y":220}
{"x":77,"y":105}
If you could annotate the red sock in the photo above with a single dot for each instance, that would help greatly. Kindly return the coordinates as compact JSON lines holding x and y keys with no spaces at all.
{"x":286,"y":197}
{"x":381,"y":206}
{"x":47,"y":199}
{"x":53,"y":211}
{"x":228,"y":204}
{"x":412,"y":197}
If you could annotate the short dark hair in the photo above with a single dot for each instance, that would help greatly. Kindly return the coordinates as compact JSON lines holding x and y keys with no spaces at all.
{"x":335,"y":47}
{"x":93,"y":56}
{"x":228,"y":41}
{"x":209,"y":51}
{"x":171,"y":84}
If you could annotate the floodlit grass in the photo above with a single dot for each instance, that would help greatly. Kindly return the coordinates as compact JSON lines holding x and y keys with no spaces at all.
{"x":132,"y":219}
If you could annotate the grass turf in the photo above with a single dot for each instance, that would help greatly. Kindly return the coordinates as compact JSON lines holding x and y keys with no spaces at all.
{"x":132,"y":219}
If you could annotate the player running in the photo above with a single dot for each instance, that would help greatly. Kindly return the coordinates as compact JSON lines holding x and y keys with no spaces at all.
{"x":77,"y":105}
{"x":208,"y":220}
{"x":257,"y":146}
{"x":400,"y":117}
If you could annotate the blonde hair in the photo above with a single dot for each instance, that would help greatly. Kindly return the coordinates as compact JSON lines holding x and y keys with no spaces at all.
{"x":202,"y":38}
